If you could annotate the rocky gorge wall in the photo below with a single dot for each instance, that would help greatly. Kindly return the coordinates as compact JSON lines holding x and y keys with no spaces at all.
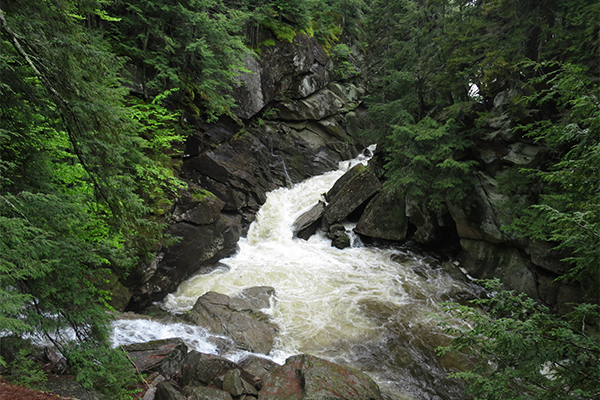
{"x":294,"y":121}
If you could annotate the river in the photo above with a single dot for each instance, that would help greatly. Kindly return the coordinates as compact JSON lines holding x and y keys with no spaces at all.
{"x":363,"y":306}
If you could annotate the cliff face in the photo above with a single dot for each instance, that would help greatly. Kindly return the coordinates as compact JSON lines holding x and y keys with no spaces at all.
{"x":294,"y":120}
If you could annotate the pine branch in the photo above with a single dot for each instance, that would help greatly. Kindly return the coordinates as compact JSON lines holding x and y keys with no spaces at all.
{"x":67,"y":114}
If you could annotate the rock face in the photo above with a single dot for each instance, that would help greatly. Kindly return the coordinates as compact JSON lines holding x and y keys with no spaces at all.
{"x":308,"y":377}
{"x":293,"y":122}
{"x":354,"y":188}
{"x":238,"y":318}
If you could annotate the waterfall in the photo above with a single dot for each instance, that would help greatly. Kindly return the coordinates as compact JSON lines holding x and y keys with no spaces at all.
{"x":362,"y":306}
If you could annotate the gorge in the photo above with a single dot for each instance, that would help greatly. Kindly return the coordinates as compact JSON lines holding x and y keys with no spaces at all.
{"x":248,"y":199}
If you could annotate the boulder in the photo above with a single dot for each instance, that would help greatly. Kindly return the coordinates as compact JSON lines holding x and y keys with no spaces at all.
{"x":237,"y":318}
{"x":248,"y":93}
{"x":199,"y":245}
{"x":259,"y":367}
{"x":482,"y":221}
{"x":236,"y":385}
{"x":163,"y":356}
{"x":354,"y":188}
{"x":198,"y":206}
{"x":255,"y":297}
{"x":522,"y":154}
{"x":317,"y":106}
{"x":297,"y":68}
{"x":199,"y":369}
{"x":485,"y":260}
{"x":205,"y":393}
{"x":308,"y":377}
{"x":166,"y":391}
{"x":421,"y":218}
{"x":545,"y":256}
{"x":339,"y":237}
{"x":384,"y":218}
{"x":307,"y":224}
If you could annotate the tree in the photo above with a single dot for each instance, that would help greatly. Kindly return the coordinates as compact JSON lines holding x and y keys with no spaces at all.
{"x":525,"y":352}
{"x":79,"y":178}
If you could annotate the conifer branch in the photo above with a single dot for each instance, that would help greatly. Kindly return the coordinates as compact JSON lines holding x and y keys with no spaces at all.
{"x":66,"y":113}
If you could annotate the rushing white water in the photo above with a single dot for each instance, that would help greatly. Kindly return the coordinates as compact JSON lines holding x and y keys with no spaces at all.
{"x":364,"y":306}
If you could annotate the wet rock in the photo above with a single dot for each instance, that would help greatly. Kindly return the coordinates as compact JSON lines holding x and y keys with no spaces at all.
{"x":166,"y":391}
{"x":384,"y":218}
{"x":198,"y":206}
{"x":483,"y":220}
{"x":256,"y":297}
{"x":544,"y":255}
{"x":307,"y":224}
{"x":320,"y":105}
{"x":350,"y":191}
{"x":419,"y":216}
{"x":339,"y":237}
{"x":485,"y":260}
{"x":199,"y":369}
{"x":236,"y":318}
{"x":199,"y":245}
{"x":306,"y":377}
{"x":523,"y":155}
{"x":163,"y":356}
{"x":286,"y":67}
{"x":205,"y":393}
{"x":248,"y":94}
{"x":236,"y":386}
{"x":259,"y":367}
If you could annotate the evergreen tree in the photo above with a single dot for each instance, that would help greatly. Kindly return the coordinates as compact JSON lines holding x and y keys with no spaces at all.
{"x":79,"y":177}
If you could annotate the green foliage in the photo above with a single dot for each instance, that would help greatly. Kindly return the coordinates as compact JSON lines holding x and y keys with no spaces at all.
{"x":282,"y":30}
{"x":341,"y":54}
{"x":104,"y":368}
{"x":569,"y":203}
{"x":525,"y":352}
{"x":80,"y":173}
{"x":193,"y":46}
{"x":424,"y":161}
{"x":27,"y":372}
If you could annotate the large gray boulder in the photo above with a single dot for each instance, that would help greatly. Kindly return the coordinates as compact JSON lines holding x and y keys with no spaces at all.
{"x":307,"y":224}
{"x":384,"y":218}
{"x":298,"y":69}
{"x":237,"y":318}
{"x":205,"y":393}
{"x":199,"y":369}
{"x":305,"y":377}
{"x":163,"y":356}
{"x":482,"y":221}
{"x":350,"y":191}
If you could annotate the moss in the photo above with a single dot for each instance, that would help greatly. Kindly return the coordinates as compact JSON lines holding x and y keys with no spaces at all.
{"x":201,"y":194}
{"x":282,"y":31}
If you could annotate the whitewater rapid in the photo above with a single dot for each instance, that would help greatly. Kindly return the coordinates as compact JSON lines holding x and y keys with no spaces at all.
{"x":363,"y":306}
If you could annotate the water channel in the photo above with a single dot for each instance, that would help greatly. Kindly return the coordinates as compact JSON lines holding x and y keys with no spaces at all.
{"x":364,"y":306}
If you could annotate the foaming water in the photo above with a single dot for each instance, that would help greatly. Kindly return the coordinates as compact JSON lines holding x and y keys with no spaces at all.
{"x":363,"y":306}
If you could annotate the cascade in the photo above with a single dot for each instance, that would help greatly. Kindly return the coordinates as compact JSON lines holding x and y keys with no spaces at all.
{"x":362,"y":306}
